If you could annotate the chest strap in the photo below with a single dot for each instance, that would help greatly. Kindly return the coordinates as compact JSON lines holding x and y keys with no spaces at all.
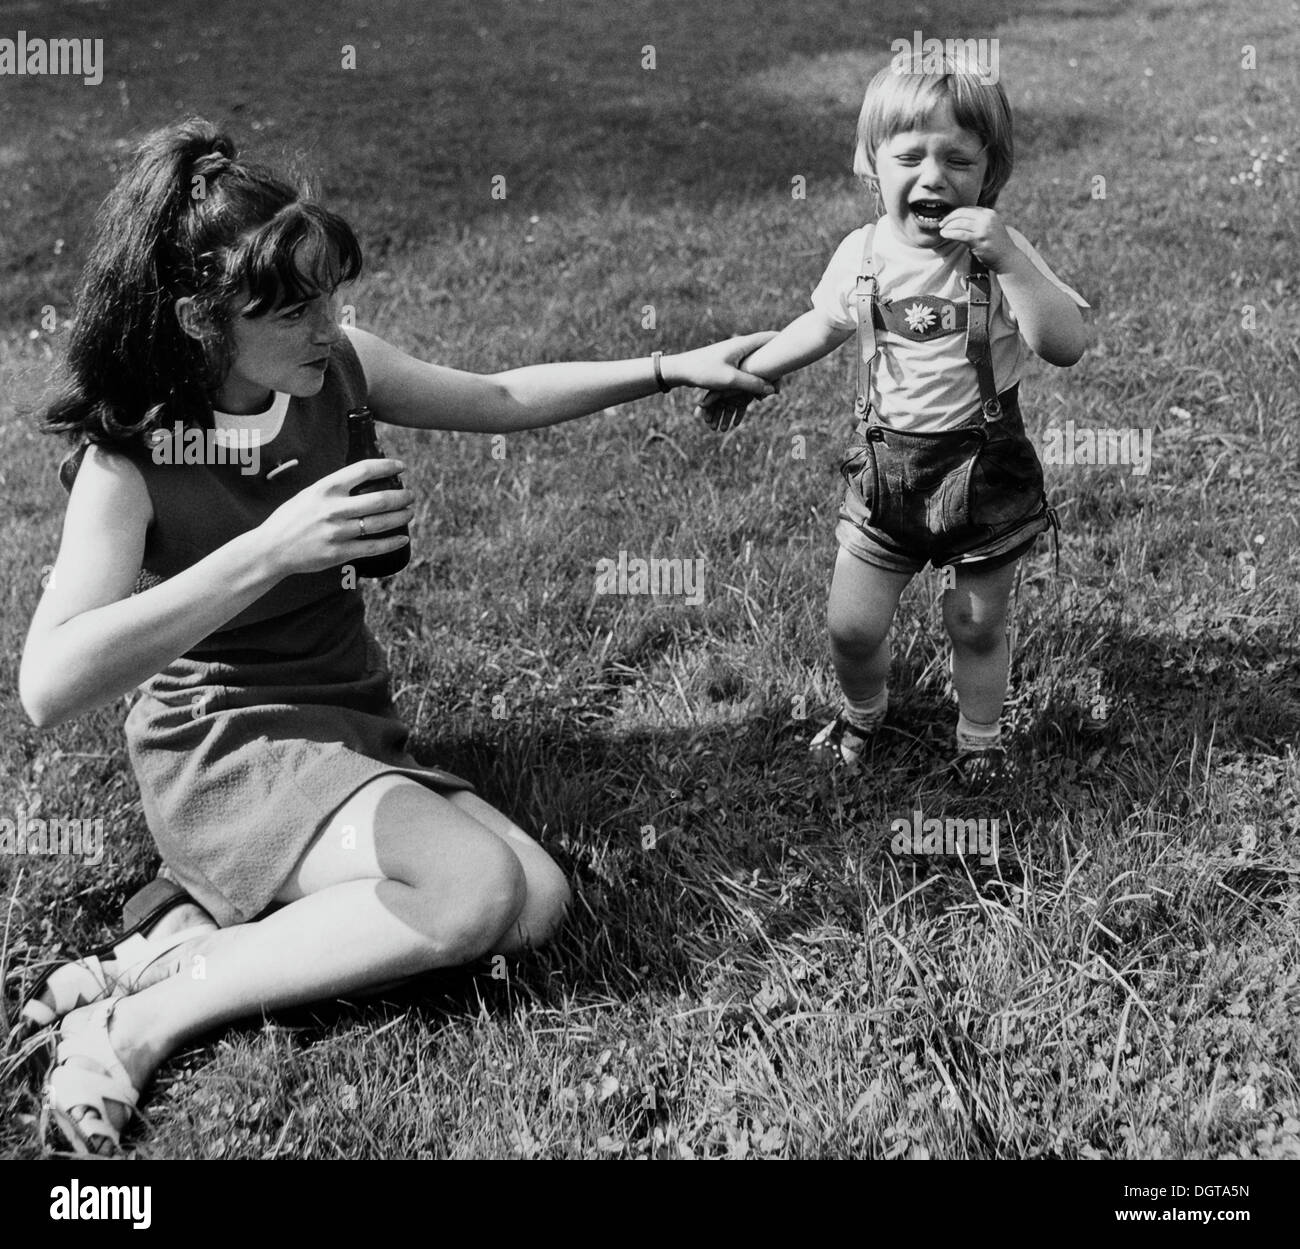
{"x":866,"y":297}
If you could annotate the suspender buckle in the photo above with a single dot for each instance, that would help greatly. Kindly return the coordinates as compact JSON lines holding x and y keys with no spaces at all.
{"x":993,"y":409}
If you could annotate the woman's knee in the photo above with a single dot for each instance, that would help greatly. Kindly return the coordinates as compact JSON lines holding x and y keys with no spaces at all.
{"x":549,"y":897}
{"x":473,"y":920}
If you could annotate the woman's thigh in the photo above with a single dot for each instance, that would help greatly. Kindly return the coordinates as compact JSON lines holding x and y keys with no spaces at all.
{"x":394,"y":828}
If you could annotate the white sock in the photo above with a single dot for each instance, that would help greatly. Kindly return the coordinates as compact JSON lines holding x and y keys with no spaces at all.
{"x":971,"y":735}
{"x":867,"y":714}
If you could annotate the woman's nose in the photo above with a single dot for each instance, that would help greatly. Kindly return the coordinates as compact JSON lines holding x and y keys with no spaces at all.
{"x":326,"y":331}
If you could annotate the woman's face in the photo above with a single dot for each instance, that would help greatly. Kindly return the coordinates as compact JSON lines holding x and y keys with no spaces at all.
{"x":286,"y":349}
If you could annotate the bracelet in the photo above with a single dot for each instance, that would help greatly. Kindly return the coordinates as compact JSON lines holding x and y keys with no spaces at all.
{"x":659,"y":375}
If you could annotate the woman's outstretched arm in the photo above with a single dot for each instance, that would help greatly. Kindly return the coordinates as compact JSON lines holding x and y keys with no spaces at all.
{"x":407,"y":391}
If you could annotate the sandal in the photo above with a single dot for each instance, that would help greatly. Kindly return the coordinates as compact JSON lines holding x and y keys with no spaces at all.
{"x":841,"y":742}
{"x":147,"y":905}
{"x":84,"y":981}
{"x":979,"y":770}
{"x":77,"y":1097}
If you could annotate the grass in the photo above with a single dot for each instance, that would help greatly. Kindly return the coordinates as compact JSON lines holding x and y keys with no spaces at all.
{"x":759,"y":974}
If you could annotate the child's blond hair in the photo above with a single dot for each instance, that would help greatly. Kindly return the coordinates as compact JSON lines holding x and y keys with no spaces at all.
{"x":898,"y":100}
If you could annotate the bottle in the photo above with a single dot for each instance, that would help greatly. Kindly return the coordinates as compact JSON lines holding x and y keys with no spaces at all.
{"x":362,"y":445}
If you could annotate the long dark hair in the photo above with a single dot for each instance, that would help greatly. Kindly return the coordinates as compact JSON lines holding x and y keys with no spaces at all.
{"x":187,"y":218}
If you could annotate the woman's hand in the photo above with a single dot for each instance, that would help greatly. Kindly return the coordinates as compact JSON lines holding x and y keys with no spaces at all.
{"x":714,"y":367}
{"x":320,"y":527}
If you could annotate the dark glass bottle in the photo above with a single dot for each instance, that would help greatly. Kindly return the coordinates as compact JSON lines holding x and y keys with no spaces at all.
{"x":362,"y":445}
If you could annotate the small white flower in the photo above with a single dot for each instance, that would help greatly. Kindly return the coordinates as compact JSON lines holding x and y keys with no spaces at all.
{"x":919,"y":318}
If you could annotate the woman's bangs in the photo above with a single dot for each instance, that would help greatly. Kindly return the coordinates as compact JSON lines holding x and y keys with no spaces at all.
{"x":303,"y":251}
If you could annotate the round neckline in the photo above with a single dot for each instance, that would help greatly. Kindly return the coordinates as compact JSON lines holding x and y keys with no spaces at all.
{"x":263,"y":427}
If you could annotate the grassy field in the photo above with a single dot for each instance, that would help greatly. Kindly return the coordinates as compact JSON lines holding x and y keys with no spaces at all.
{"x":749,"y":969}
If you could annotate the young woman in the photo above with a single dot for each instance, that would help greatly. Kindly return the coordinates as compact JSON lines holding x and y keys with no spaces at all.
{"x":271,"y":764}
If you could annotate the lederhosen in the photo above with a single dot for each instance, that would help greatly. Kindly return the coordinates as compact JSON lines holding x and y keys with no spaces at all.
{"x":961,"y":496}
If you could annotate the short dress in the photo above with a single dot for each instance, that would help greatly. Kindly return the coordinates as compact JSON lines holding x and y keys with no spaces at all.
{"x":245,"y":746}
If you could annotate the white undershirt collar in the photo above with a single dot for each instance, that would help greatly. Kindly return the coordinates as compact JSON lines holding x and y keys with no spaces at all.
{"x":257,"y":428}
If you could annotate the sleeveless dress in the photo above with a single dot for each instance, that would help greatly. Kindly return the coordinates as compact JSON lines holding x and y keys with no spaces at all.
{"x":245,"y":746}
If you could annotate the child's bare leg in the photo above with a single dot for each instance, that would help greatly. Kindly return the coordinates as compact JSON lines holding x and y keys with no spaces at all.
{"x":401,"y":881}
{"x":975,"y":615}
{"x":861,"y":609}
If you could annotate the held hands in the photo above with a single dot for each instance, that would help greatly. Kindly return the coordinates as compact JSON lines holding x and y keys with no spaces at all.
{"x":981,"y":229}
{"x":320,"y":526}
{"x":714,"y":366}
{"x":723,"y":407}
{"x":723,"y":410}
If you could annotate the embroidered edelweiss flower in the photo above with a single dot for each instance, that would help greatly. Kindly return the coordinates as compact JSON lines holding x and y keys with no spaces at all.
{"x":919,"y":318}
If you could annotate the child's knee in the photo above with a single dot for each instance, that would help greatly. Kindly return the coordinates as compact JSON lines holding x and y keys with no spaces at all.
{"x":852,"y":634}
{"x":979,"y":633}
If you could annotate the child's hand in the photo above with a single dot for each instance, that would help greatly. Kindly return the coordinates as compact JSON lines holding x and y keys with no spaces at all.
{"x":981,"y":229}
{"x":725,"y":409}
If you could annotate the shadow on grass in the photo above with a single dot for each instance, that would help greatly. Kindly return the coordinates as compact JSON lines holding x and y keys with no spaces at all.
{"x":553,"y":99}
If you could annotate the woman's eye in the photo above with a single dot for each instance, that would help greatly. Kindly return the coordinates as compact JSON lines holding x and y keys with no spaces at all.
{"x":295,"y":314}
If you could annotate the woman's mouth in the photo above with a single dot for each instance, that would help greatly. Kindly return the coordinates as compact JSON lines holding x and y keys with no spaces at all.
{"x":317,"y":364}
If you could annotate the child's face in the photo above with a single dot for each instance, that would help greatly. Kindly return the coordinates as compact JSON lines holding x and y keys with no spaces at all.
{"x":285,"y":349}
{"x":924,"y":174}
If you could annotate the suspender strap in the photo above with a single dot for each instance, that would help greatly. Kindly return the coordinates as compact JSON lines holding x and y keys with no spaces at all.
{"x":977,"y":338}
{"x":864,"y":297}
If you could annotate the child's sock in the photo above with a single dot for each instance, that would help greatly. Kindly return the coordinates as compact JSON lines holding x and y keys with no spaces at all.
{"x":972,"y":735}
{"x":867,"y":714}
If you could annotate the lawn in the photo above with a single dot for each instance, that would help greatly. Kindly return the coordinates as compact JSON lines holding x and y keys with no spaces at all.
{"x":749,"y":969}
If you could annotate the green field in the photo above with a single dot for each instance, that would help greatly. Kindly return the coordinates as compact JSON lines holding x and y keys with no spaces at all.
{"x":749,"y":970}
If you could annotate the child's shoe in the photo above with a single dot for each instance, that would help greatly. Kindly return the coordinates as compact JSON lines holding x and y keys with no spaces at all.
{"x":982,"y":769}
{"x":842,"y":742}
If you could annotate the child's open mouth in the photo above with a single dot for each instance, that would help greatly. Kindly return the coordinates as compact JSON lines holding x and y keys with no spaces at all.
{"x":930,"y":212}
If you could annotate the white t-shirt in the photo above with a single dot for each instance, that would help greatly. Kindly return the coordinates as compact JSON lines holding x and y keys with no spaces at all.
{"x":925,"y":385}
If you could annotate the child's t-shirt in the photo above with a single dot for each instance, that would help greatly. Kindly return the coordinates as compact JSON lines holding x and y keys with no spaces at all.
{"x":925,"y":383}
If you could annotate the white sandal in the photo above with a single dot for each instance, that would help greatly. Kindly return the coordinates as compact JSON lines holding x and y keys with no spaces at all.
{"x":72,"y":1087}
{"x":85,"y":981}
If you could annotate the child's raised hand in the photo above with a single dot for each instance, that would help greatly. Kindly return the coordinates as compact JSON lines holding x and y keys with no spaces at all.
{"x":322,"y":525}
{"x":981,"y":229}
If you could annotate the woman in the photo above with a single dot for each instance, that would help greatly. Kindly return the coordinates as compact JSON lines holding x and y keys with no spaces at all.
{"x":272,"y":768}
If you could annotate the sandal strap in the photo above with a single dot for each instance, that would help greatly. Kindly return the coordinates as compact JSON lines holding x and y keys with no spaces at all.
{"x":92,"y":984}
{"x":75,"y":1086}
{"x":141,"y":953}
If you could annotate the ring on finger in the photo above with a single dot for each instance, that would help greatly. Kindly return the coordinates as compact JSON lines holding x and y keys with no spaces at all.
{"x":361,"y":520}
